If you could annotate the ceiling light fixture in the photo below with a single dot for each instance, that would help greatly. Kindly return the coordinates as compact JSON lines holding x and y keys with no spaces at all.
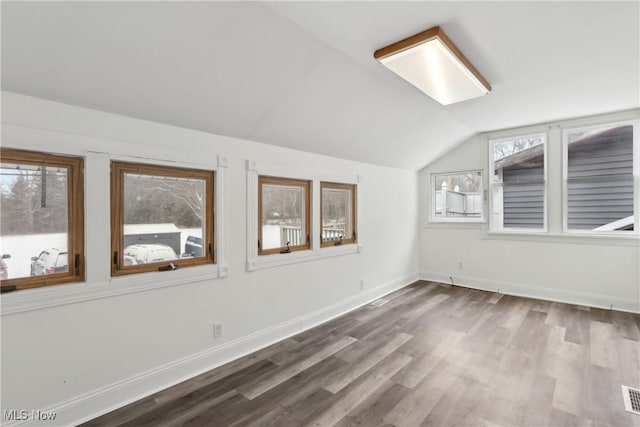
{"x":432,"y":63}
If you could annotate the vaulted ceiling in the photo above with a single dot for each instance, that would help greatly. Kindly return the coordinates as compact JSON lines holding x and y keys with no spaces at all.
{"x":302,"y":74}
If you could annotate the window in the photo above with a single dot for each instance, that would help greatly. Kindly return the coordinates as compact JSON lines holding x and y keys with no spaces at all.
{"x":284,"y":215}
{"x":42,"y":228}
{"x":338,"y":214}
{"x":518,"y":183}
{"x":162,"y":217}
{"x":599,"y":179}
{"x":457,"y":197}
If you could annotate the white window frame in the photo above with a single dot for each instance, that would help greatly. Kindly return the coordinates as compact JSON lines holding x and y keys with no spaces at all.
{"x":636,"y":179}
{"x":491,"y":185}
{"x":258,"y":262}
{"x":432,"y":209}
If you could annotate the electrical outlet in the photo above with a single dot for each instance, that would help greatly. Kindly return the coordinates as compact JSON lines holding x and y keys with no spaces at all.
{"x":460,"y":265}
{"x":361,"y":283}
{"x":217,"y":330}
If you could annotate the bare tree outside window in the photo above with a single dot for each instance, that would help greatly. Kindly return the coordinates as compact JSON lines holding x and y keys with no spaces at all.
{"x":507,"y":148}
{"x":164,"y":215}
{"x":338,"y":213}
{"x":41,"y":224}
{"x":157,"y":199}
{"x":284,"y":215}
{"x":518,"y":183}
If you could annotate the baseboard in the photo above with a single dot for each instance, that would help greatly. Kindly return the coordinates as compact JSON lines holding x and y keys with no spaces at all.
{"x":588,"y":299}
{"x":105,"y":399}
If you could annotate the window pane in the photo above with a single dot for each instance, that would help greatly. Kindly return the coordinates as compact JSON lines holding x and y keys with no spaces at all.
{"x":34,"y":229}
{"x":600,"y":179}
{"x":283,"y":216}
{"x":163,"y":218}
{"x":458,"y":195}
{"x":337,"y":222}
{"x":518,"y":183}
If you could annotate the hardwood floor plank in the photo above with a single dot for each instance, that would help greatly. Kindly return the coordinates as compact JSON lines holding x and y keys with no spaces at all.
{"x":603,"y":386}
{"x":425,"y":361}
{"x":417,"y":370}
{"x":626,"y":325}
{"x":419,"y":309}
{"x":298,"y":413}
{"x":387,"y":320}
{"x":537,"y":411}
{"x":303,"y":350}
{"x":266,"y":382}
{"x":217,"y":415}
{"x":294,"y":399}
{"x":185,"y":415}
{"x":371,"y":411}
{"x":124,"y":414}
{"x":204,"y":398}
{"x":359,"y":367}
{"x":409,"y":297}
{"x":336,"y":327}
{"x":434,"y":355}
{"x":419,"y":402}
{"x":358,"y":390}
{"x":456,"y":404}
{"x":603,"y":355}
{"x":628,"y":357}
{"x":223,"y":372}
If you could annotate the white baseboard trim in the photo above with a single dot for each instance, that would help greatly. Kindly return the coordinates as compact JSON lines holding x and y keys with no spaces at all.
{"x":105,"y":399}
{"x":589,"y":299}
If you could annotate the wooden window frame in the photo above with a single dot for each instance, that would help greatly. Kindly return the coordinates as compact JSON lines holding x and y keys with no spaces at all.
{"x":75,"y":220}
{"x":339,"y":186}
{"x":118,"y":170}
{"x":288,"y":182}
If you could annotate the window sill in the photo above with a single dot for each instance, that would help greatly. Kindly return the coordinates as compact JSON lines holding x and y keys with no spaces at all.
{"x":39,"y":298}
{"x":456,"y":224}
{"x":277,"y":260}
{"x":567,"y":238}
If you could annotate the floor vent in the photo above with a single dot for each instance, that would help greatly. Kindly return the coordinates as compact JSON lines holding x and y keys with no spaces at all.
{"x":631,"y":398}
{"x":380,"y":302}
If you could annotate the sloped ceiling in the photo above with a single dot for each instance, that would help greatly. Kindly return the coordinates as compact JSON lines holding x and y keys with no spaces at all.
{"x":302,"y":74}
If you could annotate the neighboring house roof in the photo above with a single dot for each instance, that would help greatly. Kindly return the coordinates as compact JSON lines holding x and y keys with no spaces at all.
{"x":536,"y":152}
{"x":528,"y":154}
{"x":610,"y":135}
{"x":150,"y":228}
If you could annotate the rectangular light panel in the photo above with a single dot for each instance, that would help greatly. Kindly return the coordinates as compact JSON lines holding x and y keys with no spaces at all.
{"x":433,"y":64}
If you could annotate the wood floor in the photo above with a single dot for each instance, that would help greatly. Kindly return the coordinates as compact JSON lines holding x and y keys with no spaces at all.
{"x":434,"y":355}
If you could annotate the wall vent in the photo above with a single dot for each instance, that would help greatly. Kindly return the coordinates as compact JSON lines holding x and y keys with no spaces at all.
{"x":380,"y":302}
{"x":631,"y":398}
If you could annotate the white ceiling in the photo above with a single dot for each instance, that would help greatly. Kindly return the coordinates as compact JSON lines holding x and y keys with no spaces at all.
{"x":302,"y":74}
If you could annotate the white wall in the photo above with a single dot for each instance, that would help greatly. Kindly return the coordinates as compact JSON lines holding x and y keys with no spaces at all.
{"x":85,"y":357}
{"x":594,"y":271}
